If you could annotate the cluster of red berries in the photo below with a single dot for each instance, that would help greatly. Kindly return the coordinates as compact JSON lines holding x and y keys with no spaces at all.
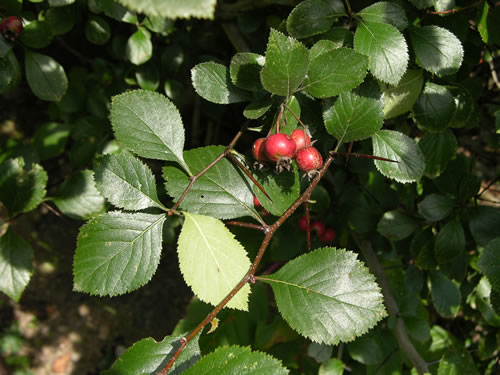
{"x":11,"y":28}
{"x":326,"y":235}
{"x":281,"y":148}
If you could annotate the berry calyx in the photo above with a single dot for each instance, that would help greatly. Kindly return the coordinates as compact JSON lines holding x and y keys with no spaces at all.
{"x":301,"y":138}
{"x":308,"y":159}
{"x":11,"y":28}
{"x":328,"y":236}
{"x":258,"y":150}
{"x":279,"y":146}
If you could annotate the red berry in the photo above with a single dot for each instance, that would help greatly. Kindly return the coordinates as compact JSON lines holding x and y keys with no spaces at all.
{"x":319,"y":227}
{"x":302,"y":223}
{"x":328,"y":236}
{"x":301,"y":138}
{"x":11,"y":27}
{"x":258,"y":150}
{"x":278,"y":146}
{"x":309,"y":159}
{"x":256,"y":202}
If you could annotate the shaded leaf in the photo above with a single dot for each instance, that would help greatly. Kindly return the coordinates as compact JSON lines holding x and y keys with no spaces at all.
{"x":327,"y":295}
{"x":457,"y":361}
{"x":401,"y":98}
{"x":312,"y":17}
{"x":117,"y":252}
{"x":465,"y":106}
{"x":435,"y":207}
{"x":385,"y":12}
{"x":10,"y":72}
{"x":37,"y":34}
{"x":484,"y":224}
{"x":394,"y":145}
{"x":488,"y":23}
{"x":450,"y":242}
{"x":396,"y":225}
{"x":212,"y":261}
{"x":213,"y":83}
{"x":438,"y":150}
{"x":50,"y":139}
{"x":173,"y":8}
{"x":445,"y":295}
{"x":257,"y":108}
{"x":245,"y":70}
{"x":434,"y":108}
{"x":45,"y":76}
{"x":488,"y":262}
{"x":97,"y":30}
{"x":16,"y":257}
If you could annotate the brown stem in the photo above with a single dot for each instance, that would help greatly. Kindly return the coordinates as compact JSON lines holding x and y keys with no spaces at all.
{"x":250,"y":275}
{"x":457,"y":9}
{"x":246,"y":225}
{"x":308,"y":226}
{"x":365,"y":156}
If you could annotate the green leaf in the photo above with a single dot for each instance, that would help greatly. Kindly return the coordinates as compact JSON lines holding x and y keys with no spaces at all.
{"x":445,"y":295}
{"x":434,"y":108}
{"x":385,"y":12}
{"x":139,"y":47}
{"x":396,"y":225}
{"x":117,"y":252}
{"x":334,"y":72}
{"x":321,"y":47}
{"x":113,"y":9}
{"x":257,"y":108}
{"x":50,"y":139}
{"x":353,"y":117}
{"x":333,"y":366}
{"x":212,"y":261}
{"x":312,"y":17}
{"x":173,"y":8}
{"x":213,"y":83}
{"x":394,"y":145}
{"x":60,"y":3}
{"x":289,"y":119}
{"x":438,"y":150}
{"x":60,"y":19}
{"x":223,"y":191}
{"x":78,"y":197}
{"x":435,"y":207}
{"x":465,"y":106}
{"x":245,"y":70}
{"x":148,"y":76}
{"x":10,"y":72}
{"x":97,"y":30}
{"x":126,"y":182}
{"x":456,"y":361}
{"x":45,"y":76}
{"x":386,"y":49}
{"x":237,"y":360}
{"x":436,"y":49}
{"x":450,"y":242}
{"x":37,"y":34}
{"x":149,"y":356}
{"x":401,"y":98}
{"x":287,"y":62}
{"x":422,"y":4}
{"x":484,"y":224}
{"x":327,"y":295}
{"x":488,"y":262}
{"x":283,"y":188}
{"x":488,"y":23}
{"x":149,"y":124}
{"x":21,"y":189}
{"x":16,"y":257}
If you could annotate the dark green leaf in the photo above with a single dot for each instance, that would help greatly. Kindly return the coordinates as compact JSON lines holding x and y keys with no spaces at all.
{"x":457,"y":361}
{"x":450,"y":242}
{"x":488,"y":23}
{"x":465,"y":106}
{"x":489,"y":263}
{"x":126,"y":182}
{"x":434,"y":108}
{"x":468,"y":188}
{"x":139,"y":47}
{"x":435,"y":207}
{"x":385,"y":12}
{"x":484,"y":224}
{"x":436,"y":49}
{"x":61,"y":19}
{"x":16,"y":257}
{"x":5,"y":47}
{"x":396,"y":225}
{"x":97,"y":30}
{"x":333,"y":366}
{"x":367,"y":349}
{"x":172,"y":8}
{"x":422,"y":248}
{"x":283,"y":188}
{"x":45,"y":76}
{"x":394,"y":145}
{"x":117,"y":252}
{"x":312,"y":17}
{"x":213,"y":83}
{"x":78,"y":197}
{"x":159,"y":24}
{"x":21,"y":189}
{"x":353,"y":117}
{"x":118,"y":12}
{"x":438,"y":150}
{"x":287,"y":62}
{"x":148,"y":76}
{"x":334,"y":72}
{"x":149,"y":356}
{"x":37,"y":34}
{"x":257,"y":108}
{"x":223,"y":191}
{"x":148,"y":124}
{"x":50,"y":139}
{"x":245,"y":70}
{"x":340,"y":36}
{"x":422,"y":4}
{"x":232,"y":360}
{"x":60,"y":3}
{"x":386,"y":49}
{"x":445,"y":295}
{"x":327,"y":295}
{"x":10,"y":72}
{"x":401,"y":98}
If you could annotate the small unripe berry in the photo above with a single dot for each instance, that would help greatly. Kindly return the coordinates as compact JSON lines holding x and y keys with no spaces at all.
{"x":278,"y":146}
{"x":308,"y":159}
{"x":301,"y":138}
{"x":11,"y":28}
{"x":328,"y":236}
{"x":258,"y":150}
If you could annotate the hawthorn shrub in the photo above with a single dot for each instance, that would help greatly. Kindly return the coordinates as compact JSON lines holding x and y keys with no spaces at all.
{"x":400,"y":101}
